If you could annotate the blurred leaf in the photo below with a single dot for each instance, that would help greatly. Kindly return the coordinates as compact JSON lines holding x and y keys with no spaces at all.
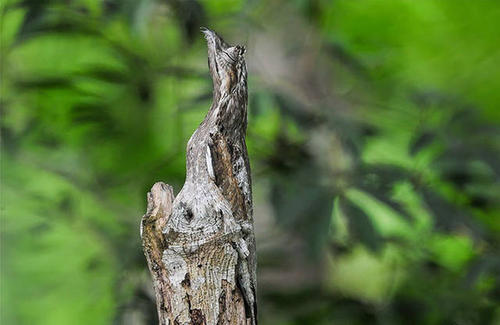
{"x":55,"y":82}
{"x":449,"y":217}
{"x":360,"y":226}
{"x":452,"y":252}
{"x":379,"y":180}
{"x":421,"y":141}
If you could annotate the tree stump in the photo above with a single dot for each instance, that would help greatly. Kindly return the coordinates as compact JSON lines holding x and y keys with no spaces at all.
{"x":200,"y":245}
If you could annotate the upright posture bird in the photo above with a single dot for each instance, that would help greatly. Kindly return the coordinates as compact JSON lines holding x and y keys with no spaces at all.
{"x":207,"y":242}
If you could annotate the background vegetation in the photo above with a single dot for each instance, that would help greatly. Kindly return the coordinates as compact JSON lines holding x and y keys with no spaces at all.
{"x":373,"y":135}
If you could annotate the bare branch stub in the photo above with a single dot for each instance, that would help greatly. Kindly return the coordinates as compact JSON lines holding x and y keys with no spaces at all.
{"x":200,"y":246}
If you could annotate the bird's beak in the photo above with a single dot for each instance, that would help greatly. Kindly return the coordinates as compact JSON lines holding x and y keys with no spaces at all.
{"x":210,"y":35}
{"x":215,"y":45}
{"x":213,"y":40}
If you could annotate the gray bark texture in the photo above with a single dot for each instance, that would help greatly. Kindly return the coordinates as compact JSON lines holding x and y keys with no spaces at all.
{"x":200,"y":245}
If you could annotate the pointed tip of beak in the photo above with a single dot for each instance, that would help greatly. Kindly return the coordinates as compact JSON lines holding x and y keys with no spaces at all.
{"x":214,"y":40}
{"x":206,"y":31}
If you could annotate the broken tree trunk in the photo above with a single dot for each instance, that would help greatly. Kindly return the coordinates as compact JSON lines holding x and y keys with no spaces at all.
{"x":200,"y":245}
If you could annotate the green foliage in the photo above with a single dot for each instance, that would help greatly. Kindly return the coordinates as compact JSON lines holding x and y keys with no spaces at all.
{"x":373,"y":135}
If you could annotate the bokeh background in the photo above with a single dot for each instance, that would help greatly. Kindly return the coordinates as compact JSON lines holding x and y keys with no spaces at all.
{"x":374,"y":139}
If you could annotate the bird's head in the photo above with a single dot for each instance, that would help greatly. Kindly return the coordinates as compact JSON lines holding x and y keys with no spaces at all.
{"x":227,"y":63}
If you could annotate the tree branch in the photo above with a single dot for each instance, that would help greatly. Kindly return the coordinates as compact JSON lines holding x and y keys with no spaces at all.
{"x":200,"y":246}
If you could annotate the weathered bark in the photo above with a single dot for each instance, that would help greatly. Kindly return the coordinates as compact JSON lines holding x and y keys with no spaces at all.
{"x":200,"y":246}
